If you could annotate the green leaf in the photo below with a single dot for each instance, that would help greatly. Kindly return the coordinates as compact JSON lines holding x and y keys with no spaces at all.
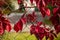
{"x":46,"y":21}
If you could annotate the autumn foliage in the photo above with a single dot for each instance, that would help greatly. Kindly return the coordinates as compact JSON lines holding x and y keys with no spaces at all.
{"x":49,"y":8}
{"x":4,"y":24}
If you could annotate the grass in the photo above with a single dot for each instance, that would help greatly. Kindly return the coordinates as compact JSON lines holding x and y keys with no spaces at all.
{"x":18,"y":36}
{"x":21,"y":36}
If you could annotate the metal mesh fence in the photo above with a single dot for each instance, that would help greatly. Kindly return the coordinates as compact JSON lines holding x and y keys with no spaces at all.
{"x":13,"y":17}
{"x":12,"y":11}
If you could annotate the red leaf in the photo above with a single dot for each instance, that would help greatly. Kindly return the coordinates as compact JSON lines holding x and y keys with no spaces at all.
{"x":59,"y":15}
{"x":54,"y":19}
{"x":42,"y":7}
{"x":1,"y":31}
{"x":18,"y":26}
{"x":48,"y":12}
{"x":41,"y":30}
{"x":8,"y":27}
{"x":43,"y":11}
{"x":31,"y":17}
{"x":2,"y":2}
{"x":52,"y":32}
{"x":32,"y":29}
{"x":43,"y":3}
{"x":1,"y":28}
{"x":6,"y":24}
{"x":57,"y":28}
{"x":39,"y":23}
{"x":37,"y":29}
{"x":55,"y":35}
{"x":19,"y":1}
{"x":5,"y":20}
{"x":41,"y":36}
{"x":31,"y":1}
{"x":24,"y":20}
{"x":55,"y":10}
{"x":36,"y":1}
{"x":51,"y":37}
{"x":58,"y":3}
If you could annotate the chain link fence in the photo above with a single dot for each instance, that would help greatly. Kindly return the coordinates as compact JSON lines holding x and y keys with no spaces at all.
{"x":11,"y":10}
{"x":10,"y":7}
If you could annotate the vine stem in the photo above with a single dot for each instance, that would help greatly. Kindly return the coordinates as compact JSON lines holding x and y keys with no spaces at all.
{"x":46,"y":38}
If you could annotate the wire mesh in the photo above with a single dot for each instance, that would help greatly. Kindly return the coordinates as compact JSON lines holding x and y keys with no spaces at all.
{"x":25,"y":34}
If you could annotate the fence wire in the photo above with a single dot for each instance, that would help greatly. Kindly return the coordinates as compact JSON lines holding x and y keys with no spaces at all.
{"x":25,"y":34}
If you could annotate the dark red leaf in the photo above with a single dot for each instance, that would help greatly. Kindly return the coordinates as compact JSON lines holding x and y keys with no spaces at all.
{"x":42,"y":9}
{"x":51,"y":37}
{"x":8,"y":27}
{"x":1,"y":30}
{"x":19,"y":1}
{"x":48,"y":12}
{"x":31,"y":17}
{"x":59,"y":15}
{"x":58,"y":3}
{"x":57,"y":28}
{"x":52,"y":31}
{"x":2,"y":2}
{"x":39,"y":23}
{"x":54,"y":19}
{"x":36,"y":1}
{"x":39,"y":29}
{"x":55,"y":35}
{"x":41,"y":36}
{"x":24,"y":20}
{"x":6,"y":24}
{"x":55,"y":10}
{"x":43,"y":3}
{"x":32,"y":29}
{"x":18,"y":26}
{"x":31,"y":1}
{"x":5,"y":20}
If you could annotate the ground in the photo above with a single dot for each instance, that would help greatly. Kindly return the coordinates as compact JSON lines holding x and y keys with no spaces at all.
{"x":21,"y":36}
